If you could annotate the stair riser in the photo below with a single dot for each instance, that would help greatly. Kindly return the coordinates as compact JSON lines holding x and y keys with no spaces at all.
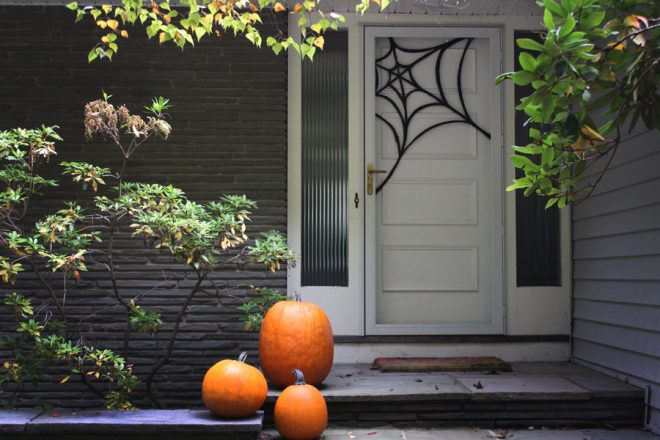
{"x":585,"y":413}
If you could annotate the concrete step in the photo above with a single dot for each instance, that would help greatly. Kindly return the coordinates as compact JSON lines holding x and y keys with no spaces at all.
{"x":543,"y":394}
{"x":145,"y":424}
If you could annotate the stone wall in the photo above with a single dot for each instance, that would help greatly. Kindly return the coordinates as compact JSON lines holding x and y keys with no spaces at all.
{"x":229,"y":136}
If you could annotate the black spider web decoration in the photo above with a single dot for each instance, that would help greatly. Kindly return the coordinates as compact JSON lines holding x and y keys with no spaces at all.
{"x":401,"y":80}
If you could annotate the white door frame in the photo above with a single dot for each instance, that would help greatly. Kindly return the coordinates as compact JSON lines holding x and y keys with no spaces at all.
{"x":529,"y":310}
{"x":497,"y":324}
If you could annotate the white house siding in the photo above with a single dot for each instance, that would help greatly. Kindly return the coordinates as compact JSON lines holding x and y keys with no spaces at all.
{"x":616,"y":272}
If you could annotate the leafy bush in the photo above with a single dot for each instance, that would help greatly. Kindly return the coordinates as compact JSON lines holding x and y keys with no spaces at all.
{"x":596,"y":57}
{"x":203,"y":236}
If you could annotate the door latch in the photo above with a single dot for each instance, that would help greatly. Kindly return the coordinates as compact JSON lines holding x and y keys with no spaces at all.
{"x":370,"y":177}
{"x":356,"y":200}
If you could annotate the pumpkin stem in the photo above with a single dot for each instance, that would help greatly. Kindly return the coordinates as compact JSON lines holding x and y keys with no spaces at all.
{"x":300,"y":378}
{"x":243,"y":356}
{"x":298,"y":297}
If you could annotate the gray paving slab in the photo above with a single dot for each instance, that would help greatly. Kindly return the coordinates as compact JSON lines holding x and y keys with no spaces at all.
{"x":345,"y":384}
{"x":603,"y":386}
{"x":13,"y":421}
{"x":522,"y":388}
{"x":530,"y":380}
{"x":182,"y":420}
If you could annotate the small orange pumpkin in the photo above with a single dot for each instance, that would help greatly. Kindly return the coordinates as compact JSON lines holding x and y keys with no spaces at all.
{"x":233,"y":388}
{"x":296,"y":334}
{"x":300,"y":411}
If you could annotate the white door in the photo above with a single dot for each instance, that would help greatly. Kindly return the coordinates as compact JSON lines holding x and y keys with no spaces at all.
{"x":433,"y":219}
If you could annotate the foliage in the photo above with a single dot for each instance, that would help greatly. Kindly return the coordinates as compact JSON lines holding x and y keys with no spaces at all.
{"x":193,"y":20}
{"x":38,"y":344}
{"x":203,"y":236}
{"x":596,"y":61}
{"x":255,"y":309}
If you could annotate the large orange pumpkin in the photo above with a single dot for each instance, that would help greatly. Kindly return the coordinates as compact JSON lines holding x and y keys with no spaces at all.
{"x":296,"y":334}
{"x":233,"y":388}
{"x":300,"y":411}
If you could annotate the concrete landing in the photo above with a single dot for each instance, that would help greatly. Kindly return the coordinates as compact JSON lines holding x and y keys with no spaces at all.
{"x":552,"y":394}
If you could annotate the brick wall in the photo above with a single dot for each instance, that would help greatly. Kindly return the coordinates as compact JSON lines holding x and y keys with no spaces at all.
{"x":229,"y":136}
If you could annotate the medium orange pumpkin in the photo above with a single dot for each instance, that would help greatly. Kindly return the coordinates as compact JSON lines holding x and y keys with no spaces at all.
{"x":300,"y":411}
{"x":296,"y":334}
{"x":233,"y":388}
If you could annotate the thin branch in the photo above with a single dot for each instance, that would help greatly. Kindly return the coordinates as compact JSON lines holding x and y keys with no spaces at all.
{"x":50,"y":290}
{"x":170,"y":345}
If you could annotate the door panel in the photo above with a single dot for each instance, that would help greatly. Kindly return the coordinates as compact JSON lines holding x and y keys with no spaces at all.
{"x":433,"y":225}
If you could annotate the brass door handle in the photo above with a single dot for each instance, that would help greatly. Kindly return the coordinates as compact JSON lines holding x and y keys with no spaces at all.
{"x":370,"y":177}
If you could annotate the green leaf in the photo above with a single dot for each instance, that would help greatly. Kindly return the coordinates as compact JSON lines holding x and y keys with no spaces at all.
{"x":523,"y":77}
{"x":517,"y":184}
{"x":92,"y":55}
{"x":592,"y":20}
{"x":550,"y":203}
{"x":500,"y":78}
{"x":548,"y":21}
{"x":567,"y":27}
{"x":72,"y":6}
{"x":554,"y":7}
{"x":529,"y":44}
{"x":527,"y":61}
{"x":523,"y":162}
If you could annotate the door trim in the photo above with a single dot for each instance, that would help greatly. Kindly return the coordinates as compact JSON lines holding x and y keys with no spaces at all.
{"x":494,"y":35}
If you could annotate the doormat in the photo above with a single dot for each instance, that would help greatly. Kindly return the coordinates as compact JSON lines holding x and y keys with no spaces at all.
{"x":489,"y":364}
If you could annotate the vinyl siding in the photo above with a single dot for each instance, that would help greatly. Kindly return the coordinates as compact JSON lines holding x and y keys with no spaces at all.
{"x":616,"y":270}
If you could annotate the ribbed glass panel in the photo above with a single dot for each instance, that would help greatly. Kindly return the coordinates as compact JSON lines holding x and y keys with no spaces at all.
{"x":324,"y":259}
{"x":538,"y":256}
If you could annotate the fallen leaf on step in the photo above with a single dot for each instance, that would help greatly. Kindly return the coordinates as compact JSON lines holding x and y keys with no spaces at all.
{"x":497,"y":433}
{"x":419,"y":380}
{"x":478,"y":385}
{"x":372,"y":433}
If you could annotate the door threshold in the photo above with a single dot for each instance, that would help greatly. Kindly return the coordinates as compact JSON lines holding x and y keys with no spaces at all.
{"x":421,"y":339}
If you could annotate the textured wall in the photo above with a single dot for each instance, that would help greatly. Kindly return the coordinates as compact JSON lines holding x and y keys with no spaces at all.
{"x":616,"y":299}
{"x":229,"y":136}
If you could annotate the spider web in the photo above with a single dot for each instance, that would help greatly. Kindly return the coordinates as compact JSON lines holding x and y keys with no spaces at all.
{"x":396,"y":84}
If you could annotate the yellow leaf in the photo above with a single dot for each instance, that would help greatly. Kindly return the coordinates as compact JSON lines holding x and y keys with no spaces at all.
{"x":167,"y":19}
{"x":297,"y":8}
{"x":102,"y":24}
{"x":106,"y":8}
{"x":66,"y":379}
{"x":5,"y":365}
{"x":105,"y":40}
{"x":113,"y":24}
{"x":319,"y":42}
{"x":161,"y":38}
{"x":124,"y":33}
{"x":279,"y":7}
{"x":591,"y":133}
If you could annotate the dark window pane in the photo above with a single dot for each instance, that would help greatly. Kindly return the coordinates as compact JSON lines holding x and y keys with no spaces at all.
{"x":324,"y":259}
{"x":537,"y":229}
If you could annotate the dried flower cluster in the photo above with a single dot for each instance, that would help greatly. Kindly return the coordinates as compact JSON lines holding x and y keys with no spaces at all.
{"x":104,"y":121}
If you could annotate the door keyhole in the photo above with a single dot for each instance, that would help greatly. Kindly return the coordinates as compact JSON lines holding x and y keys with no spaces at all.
{"x":356,"y":200}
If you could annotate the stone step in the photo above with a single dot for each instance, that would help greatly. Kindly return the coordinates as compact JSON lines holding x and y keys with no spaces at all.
{"x":128,"y":425}
{"x":544,"y":394}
